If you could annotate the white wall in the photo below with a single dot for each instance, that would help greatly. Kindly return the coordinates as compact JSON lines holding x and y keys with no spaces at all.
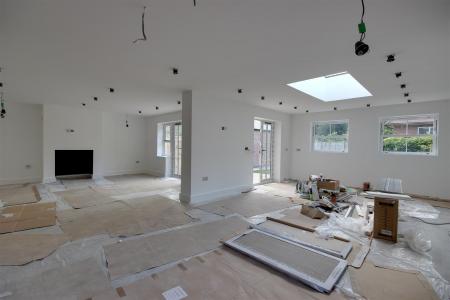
{"x":116,"y":148}
{"x":157,"y":164}
{"x":124,"y":149}
{"x":423,"y":175}
{"x":21,"y":144}
{"x":220,"y":155}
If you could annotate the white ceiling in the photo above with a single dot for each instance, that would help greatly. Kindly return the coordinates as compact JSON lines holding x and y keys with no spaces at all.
{"x":67,"y":51}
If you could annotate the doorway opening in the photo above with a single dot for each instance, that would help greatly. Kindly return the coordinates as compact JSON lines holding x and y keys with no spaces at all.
{"x":172,"y":138}
{"x":263,"y":137}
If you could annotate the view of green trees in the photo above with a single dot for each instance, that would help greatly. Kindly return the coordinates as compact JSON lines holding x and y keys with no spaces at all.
{"x":408,"y":144}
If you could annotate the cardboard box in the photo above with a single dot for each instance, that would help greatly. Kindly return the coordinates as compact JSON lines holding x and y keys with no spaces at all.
{"x":385,"y":221}
{"x":328,"y":184}
{"x":312,"y":212}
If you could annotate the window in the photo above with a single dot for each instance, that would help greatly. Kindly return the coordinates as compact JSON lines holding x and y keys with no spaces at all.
{"x":330,"y":136}
{"x":334,"y":87}
{"x":409,"y":134}
{"x":166,"y":139}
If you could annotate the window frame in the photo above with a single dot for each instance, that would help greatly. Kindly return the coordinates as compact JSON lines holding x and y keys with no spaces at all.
{"x":330,"y":122}
{"x":435,"y":135}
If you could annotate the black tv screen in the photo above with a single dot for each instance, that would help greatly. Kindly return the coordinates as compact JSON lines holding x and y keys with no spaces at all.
{"x":74,"y":162}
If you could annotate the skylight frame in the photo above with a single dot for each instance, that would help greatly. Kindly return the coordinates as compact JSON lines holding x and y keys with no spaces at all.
{"x":333,"y":87}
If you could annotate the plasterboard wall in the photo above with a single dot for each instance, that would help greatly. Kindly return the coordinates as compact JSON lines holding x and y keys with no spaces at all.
{"x":21,"y":144}
{"x":220,"y":155}
{"x":157,"y":164}
{"x":116,"y":148}
{"x":423,"y":175}
{"x":124,"y":149}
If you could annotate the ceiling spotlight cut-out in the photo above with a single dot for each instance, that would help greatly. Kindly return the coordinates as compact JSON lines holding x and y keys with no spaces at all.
{"x":307,"y":111}
{"x":156,"y":107}
{"x":174,"y":71}
{"x":111,"y":90}
{"x":84,"y":104}
{"x":280,"y":103}
{"x":390,"y":58}
{"x":263,"y":98}
{"x":140,"y":112}
{"x":335,"y":108}
{"x":178,"y":102}
{"x":409,"y":100}
{"x":95,"y":98}
{"x":398,"y":74}
{"x":403,"y":86}
{"x":406,"y":94}
{"x":1,"y":84}
{"x":368,"y":105}
{"x":295,"y":107}
{"x":239,"y":91}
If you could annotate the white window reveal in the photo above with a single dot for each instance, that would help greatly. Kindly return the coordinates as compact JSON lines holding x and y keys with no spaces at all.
{"x":330,"y":136}
{"x":410,"y":134}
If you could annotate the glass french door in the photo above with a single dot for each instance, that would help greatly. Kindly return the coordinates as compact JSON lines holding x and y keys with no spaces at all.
{"x":177,"y":149}
{"x":263,"y":132}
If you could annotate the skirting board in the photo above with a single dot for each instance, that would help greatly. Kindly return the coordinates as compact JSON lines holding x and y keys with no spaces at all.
{"x":214,"y":195}
{"x":291,"y":258}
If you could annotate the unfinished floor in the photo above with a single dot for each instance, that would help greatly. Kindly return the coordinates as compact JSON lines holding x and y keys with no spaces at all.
{"x":129,"y":237}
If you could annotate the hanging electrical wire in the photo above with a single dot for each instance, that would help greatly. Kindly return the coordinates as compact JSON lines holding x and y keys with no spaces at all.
{"x":195,"y":3}
{"x":144,"y":36}
{"x":362,"y":48}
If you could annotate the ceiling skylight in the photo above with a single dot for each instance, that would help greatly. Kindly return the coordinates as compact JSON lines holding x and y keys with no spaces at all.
{"x":334,"y":87}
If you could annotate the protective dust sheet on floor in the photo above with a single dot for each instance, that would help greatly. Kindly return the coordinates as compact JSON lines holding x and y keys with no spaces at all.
{"x":84,"y":197}
{"x":144,"y":253}
{"x":248,"y":204}
{"x":222,"y":274}
{"x":27,"y":216}
{"x":314,"y":268}
{"x":124,"y":218}
{"x":16,"y":195}
{"x":19,"y":249}
{"x":74,"y":281}
{"x":137,"y":185}
{"x":377,"y":283}
{"x":331,"y":246}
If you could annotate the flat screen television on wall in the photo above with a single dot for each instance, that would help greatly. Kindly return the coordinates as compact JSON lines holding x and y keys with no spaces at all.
{"x":74,"y":162}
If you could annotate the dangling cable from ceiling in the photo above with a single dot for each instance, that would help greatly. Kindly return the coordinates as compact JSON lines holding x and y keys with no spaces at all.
{"x":362,"y":25}
{"x":195,"y":3}
{"x":144,"y":36}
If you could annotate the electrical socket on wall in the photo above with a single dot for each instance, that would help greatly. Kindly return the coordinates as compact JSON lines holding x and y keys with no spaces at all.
{"x":205,"y":178}
{"x":137,"y":161}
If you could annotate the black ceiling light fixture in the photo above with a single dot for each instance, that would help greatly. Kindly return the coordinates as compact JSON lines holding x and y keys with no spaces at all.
{"x":195,"y":3}
{"x":406,"y":94}
{"x":409,"y":100}
{"x":140,"y":112}
{"x":335,"y":108}
{"x":280,"y":103}
{"x":263,"y":98}
{"x":174,"y":71}
{"x":126,"y":123}
{"x":307,"y":111}
{"x":361,"y":48}
{"x":111,"y":90}
{"x":295,"y":107}
{"x":84,"y":104}
{"x":95,"y":98}
{"x":403,"y":86}
{"x":2,"y":106}
{"x":398,"y":74}
{"x":156,"y":107}
{"x":368,"y":105}
{"x":178,"y":102}
{"x":239,"y":91}
{"x":144,"y":36}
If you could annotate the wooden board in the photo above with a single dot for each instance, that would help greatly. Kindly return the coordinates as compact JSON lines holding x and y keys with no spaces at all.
{"x":85,"y":197}
{"x":20,"y":249}
{"x":376,"y":283}
{"x":27,"y":216}
{"x":17,"y":195}
{"x":124,"y":218}
{"x":144,"y":253}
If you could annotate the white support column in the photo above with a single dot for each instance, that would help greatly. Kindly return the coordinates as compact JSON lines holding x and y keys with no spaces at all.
{"x":186,"y":156}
